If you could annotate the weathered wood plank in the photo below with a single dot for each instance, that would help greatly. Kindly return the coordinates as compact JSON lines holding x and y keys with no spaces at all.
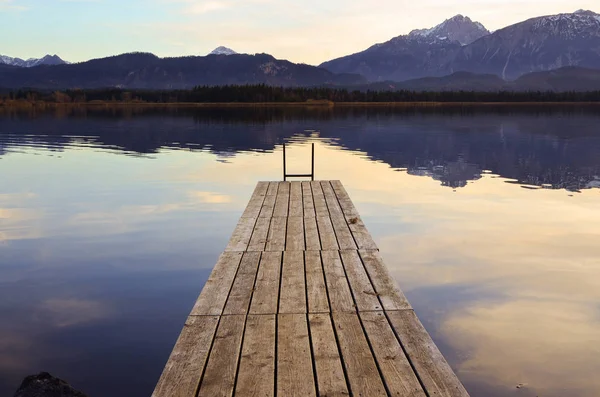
{"x":326,"y":234}
{"x":216,"y":289}
{"x":276,"y":236}
{"x":361,"y":235}
{"x":311,"y":234}
{"x":307,"y":200}
{"x":319,"y":199}
{"x":393,"y":364}
{"x":241,"y":235}
{"x":282,"y":202}
{"x":330,"y":374}
{"x":296,"y":205}
{"x":315,"y":283}
{"x":256,"y":376}
{"x":342,"y":232}
{"x":331,"y":199}
{"x":344,"y":199}
{"x":364,"y":294}
{"x":386,"y":287}
{"x":266,"y":289}
{"x":219,"y":377}
{"x":433,"y":370}
{"x":293,"y":289}
{"x":340,"y":297}
{"x":295,"y":234}
{"x":181,"y":375}
{"x":268,"y":206}
{"x":243,"y":285}
{"x":259,"y":235}
{"x":258,"y":197}
{"x":363,"y":375}
{"x":294,"y":362}
{"x":273,"y":188}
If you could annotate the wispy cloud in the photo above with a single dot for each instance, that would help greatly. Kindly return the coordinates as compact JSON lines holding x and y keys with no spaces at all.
{"x":10,"y":5}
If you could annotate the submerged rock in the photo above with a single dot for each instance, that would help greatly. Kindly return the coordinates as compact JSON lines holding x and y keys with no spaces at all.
{"x":46,"y":385}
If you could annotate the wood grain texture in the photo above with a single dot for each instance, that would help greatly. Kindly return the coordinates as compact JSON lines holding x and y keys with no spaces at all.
{"x":363,"y":375}
{"x":331,"y":199}
{"x":277,"y":234}
{"x":330,"y":374}
{"x":386,"y":287}
{"x":266,"y":287}
{"x":344,"y":199}
{"x":311,"y":234}
{"x":282,"y":204}
{"x":259,"y":235}
{"x":340,"y":297}
{"x":273,"y":188}
{"x":294,"y":361}
{"x":319,"y":199}
{"x":315,"y":283}
{"x":296,"y":205}
{"x":294,"y":240}
{"x":219,"y":377}
{"x":181,"y":376}
{"x":395,"y":368}
{"x":241,"y":235}
{"x":256,"y":376}
{"x":268,"y":206}
{"x":433,"y":370}
{"x":256,"y":200}
{"x":243,"y":285}
{"x":293,"y":289}
{"x":307,"y":200}
{"x":216,"y":289}
{"x":342,"y":232}
{"x":364,"y":294}
{"x":326,"y":234}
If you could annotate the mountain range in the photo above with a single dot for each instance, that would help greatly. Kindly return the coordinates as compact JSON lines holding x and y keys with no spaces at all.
{"x":557,"y":52}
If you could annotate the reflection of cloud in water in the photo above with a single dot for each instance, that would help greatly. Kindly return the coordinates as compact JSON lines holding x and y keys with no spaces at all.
{"x":59,"y":312}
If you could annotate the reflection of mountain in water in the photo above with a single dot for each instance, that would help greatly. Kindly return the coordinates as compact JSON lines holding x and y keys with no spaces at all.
{"x":533,"y":145}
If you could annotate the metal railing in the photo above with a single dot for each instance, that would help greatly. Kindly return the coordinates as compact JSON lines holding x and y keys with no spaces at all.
{"x":312,"y":166}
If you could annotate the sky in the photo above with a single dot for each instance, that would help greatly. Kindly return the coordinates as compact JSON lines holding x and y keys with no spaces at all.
{"x":309,"y":31}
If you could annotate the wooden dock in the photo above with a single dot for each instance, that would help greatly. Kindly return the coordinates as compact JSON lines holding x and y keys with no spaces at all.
{"x":301,"y":304}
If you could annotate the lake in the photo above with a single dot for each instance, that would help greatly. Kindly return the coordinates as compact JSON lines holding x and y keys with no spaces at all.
{"x":489,"y":219}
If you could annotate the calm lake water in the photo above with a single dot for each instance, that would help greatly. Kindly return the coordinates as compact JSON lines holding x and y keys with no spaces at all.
{"x":111,"y":221}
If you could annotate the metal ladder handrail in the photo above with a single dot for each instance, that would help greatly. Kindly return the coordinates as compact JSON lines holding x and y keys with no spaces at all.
{"x":312,"y":166}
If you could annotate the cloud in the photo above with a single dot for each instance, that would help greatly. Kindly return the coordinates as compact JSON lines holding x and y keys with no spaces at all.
{"x":9,"y":5}
{"x":70,"y":312}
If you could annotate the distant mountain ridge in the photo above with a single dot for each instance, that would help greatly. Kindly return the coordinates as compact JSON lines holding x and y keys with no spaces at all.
{"x":222,"y":51}
{"x":459,"y":44}
{"x":31,"y":62}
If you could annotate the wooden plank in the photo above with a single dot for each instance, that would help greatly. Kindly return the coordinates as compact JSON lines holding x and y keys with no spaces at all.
{"x":393,"y":364}
{"x":344,"y":199}
{"x":387,"y":289}
{"x":363,"y":375}
{"x":256,"y":376}
{"x":268,"y":206}
{"x":216,"y":289}
{"x":259,"y":235}
{"x":219,"y":377}
{"x":284,"y":187}
{"x":342,"y":232}
{"x":258,"y":197}
{"x":307,"y":200}
{"x":294,"y":362}
{"x":293,"y":290}
{"x":331,"y":199}
{"x":328,"y":364}
{"x":276,"y":236}
{"x":273,"y":188}
{"x":326,"y":234}
{"x":181,"y":375}
{"x":282,"y":202}
{"x":295,"y":234}
{"x":243,"y":285}
{"x":364,"y":294}
{"x":311,"y":234}
{"x":241,"y":235}
{"x":319,"y":199}
{"x":296,"y":205}
{"x":340,"y":297}
{"x":266,"y":289}
{"x":315,"y":283}
{"x":433,"y":370}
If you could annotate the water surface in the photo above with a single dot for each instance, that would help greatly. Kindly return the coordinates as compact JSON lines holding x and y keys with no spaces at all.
{"x":111,"y":221}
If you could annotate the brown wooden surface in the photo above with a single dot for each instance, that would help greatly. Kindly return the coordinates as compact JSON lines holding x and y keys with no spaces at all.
{"x":302,"y":304}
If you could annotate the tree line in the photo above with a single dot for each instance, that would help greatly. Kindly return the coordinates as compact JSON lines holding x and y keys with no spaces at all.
{"x":262,"y":93}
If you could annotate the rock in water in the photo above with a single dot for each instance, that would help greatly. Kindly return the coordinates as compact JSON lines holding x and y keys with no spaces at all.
{"x":46,"y":385}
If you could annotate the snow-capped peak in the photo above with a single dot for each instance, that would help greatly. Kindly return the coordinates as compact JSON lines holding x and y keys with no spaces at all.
{"x":458,"y":28}
{"x":31,"y":62}
{"x":581,"y":22}
{"x":222,"y":51}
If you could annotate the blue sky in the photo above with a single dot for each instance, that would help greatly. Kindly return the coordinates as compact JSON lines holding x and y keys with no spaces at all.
{"x":309,"y":31}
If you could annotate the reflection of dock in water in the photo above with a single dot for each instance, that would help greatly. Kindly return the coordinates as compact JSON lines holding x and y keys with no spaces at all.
{"x":301,"y":304}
